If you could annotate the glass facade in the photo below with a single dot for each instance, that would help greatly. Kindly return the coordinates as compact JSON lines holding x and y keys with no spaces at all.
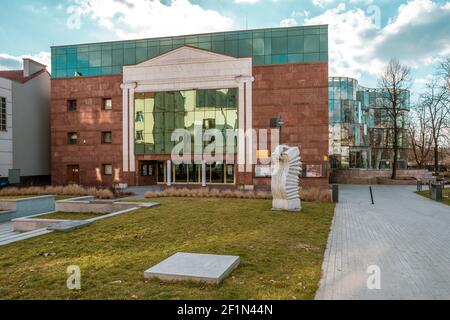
{"x":361,"y":134}
{"x":265,"y":46}
{"x":157,"y":115}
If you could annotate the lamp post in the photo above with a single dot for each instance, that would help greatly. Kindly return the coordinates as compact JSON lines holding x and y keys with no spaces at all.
{"x":277,"y":123}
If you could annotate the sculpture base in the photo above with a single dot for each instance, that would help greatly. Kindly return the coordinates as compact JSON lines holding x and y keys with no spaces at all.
{"x":287,"y":205}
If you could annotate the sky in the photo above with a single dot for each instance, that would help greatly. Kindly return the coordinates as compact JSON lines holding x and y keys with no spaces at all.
{"x":363,"y":34}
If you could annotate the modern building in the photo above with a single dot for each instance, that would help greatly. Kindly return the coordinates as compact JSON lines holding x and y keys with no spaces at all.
{"x":25,"y":123}
{"x":361,"y":131}
{"x":116,"y":105}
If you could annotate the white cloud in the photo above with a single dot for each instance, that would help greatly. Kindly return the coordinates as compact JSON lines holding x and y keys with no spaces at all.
{"x":289,"y":22}
{"x":418,"y":36}
{"x":10,"y":62}
{"x":322,"y":3}
{"x":148,"y":18}
{"x":300,"y":13}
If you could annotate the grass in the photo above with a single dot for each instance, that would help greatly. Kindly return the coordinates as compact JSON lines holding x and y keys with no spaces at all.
{"x":70,"y":215}
{"x":281,"y":252}
{"x":57,"y":198}
{"x":445,"y":192}
{"x":313,"y":194}
{"x":70,"y":190}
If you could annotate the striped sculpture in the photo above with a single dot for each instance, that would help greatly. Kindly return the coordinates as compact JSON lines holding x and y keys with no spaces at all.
{"x":287,"y":166}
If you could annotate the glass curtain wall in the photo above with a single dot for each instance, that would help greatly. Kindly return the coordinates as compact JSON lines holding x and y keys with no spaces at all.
{"x":265,"y":46}
{"x":360,"y":128}
{"x":347,"y":128}
{"x":157,"y":115}
{"x":380,"y":125}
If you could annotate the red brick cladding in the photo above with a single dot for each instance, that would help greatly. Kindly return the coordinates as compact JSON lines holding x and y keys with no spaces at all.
{"x":298,"y":93}
{"x":90,"y":120}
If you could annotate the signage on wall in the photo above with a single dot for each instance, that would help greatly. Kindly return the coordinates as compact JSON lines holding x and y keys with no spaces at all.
{"x":314,"y":171}
{"x":263,"y":171}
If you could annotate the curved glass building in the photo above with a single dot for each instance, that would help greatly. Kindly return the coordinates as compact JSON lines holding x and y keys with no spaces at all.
{"x":360,"y":130}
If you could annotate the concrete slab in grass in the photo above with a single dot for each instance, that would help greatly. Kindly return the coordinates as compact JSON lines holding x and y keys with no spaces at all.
{"x":67,"y":226}
{"x":206,"y":268}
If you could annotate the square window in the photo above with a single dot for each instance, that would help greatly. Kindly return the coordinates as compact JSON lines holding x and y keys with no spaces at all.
{"x":279,"y":45}
{"x":295,"y":44}
{"x":95,"y":59}
{"x":71,"y":105}
{"x":72,"y":138}
{"x":107,"y":137}
{"x":107,"y":169}
{"x":312,"y":44}
{"x":107,"y":104}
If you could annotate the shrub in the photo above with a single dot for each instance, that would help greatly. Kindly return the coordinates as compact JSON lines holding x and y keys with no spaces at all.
{"x":308,"y":194}
{"x":72,"y":190}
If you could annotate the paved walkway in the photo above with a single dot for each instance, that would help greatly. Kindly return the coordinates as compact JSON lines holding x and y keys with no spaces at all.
{"x":406,"y":235}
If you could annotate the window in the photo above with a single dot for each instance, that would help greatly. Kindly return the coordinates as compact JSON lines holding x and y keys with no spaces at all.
{"x":107,"y":104}
{"x":139,"y":136}
{"x":2,"y":114}
{"x":139,"y":116}
{"x":107,"y":169}
{"x":146,"y":170}
{"x":107,"y":137}
{"x":71,"y":105}
{"x":72,"y":138}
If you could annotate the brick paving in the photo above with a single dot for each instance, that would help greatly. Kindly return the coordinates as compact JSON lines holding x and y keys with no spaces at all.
{"x":406,"y":235}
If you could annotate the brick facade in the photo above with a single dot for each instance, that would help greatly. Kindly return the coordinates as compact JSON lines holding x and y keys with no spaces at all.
{"x":298,"y":93}
{"x":89,"y":121}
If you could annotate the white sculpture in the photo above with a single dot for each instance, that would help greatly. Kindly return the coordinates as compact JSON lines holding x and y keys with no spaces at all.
{"x":287,"y":166}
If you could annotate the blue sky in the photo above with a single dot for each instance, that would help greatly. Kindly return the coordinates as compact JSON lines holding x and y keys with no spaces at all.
{"x":364,"y":34}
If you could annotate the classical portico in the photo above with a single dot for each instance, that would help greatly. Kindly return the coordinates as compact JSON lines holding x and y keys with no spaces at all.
{"x":188,"y":68}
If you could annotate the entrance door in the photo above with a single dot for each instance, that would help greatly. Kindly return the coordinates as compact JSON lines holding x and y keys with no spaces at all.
{"x":73,"y":174}
{"x":147,"y":173}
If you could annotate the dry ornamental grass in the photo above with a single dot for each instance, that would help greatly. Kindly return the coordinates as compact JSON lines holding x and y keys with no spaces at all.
{"x":307,"y":194}
{"x":74,"y":190}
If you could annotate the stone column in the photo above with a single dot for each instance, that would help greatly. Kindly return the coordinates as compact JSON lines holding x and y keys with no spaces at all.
{"x":241,"y":137}
{"x":128,"y":158}
{"x":169,"y":173}
{"x":131,"y":134}
{"x":125,"y":152}
{"x":204,"y":173}
{"x":250,"y":158}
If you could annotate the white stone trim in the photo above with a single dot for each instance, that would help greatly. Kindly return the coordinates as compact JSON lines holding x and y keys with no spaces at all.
{"x":186,"y":68}
{"x":128,"y":126}
{"x":241,"y":116}
{"x":125,"y":151}
{"x":249,"y":127}
{"x":132,"y":156}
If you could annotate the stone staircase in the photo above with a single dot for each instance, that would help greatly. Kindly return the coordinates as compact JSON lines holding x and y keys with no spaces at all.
{"x":8,"y":235}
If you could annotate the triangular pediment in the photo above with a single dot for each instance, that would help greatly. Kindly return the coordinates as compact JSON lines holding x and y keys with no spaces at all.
{"x":186,"y":54}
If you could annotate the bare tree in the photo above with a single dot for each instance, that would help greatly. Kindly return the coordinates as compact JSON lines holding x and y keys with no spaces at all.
{"x":444,"y":72}
{"x":394,"y":82}
{"x":436,"y":101}
{"x":419,"y":132}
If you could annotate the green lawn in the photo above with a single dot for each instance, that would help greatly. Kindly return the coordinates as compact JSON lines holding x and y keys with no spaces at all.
{"x":281,"y":252}
{"x":70,"y":215}
{"x":445,"y":192}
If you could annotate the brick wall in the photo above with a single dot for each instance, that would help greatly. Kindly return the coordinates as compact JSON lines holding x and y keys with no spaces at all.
{"x":299,"y":94}
{"x":89,"y":121}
